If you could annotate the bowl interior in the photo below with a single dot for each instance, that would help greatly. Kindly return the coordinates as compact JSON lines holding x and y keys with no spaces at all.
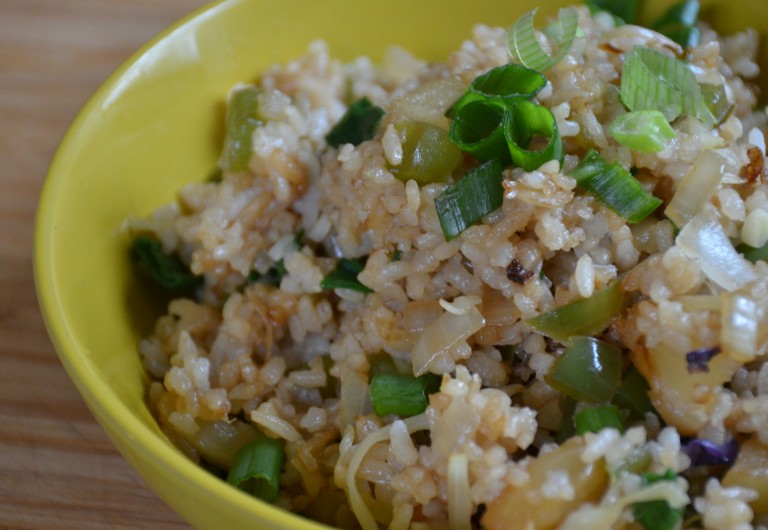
{"x":156,"y":125}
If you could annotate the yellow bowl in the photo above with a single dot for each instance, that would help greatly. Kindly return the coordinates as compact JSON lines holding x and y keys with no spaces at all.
{"x":155,"y":125}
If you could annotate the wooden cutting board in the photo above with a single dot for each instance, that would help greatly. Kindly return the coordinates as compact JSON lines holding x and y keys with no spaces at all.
{"x":57,"y":467}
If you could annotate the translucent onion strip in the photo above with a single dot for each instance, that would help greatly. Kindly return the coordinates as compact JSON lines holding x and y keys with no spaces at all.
{"x":696,"y":188}
{"x":363,"y":514}
{"x":739,"y":327}
{"x":704,"y":239}
{"x":524,"y":45}
{"x":459,"y":499}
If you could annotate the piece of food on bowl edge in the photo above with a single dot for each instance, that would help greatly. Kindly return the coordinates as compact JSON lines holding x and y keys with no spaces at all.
{"x":524,"y":288}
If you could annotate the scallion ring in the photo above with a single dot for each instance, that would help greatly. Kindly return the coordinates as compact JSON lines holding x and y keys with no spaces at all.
{"x":503,"y":85}
{"x":647,"y":131}
{"x":524,"y":45}
{"x":477,"y":129}
{"x":526,"y":122}
{"x":256,"y":468}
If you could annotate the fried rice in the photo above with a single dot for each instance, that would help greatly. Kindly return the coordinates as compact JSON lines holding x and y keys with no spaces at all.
{"x":495,"y":448}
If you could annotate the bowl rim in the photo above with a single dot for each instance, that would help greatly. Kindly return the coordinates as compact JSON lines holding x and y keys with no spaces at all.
{"x":81,"y":372}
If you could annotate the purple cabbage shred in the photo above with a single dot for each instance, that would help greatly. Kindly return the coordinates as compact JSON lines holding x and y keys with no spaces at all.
{"x":704,"y":452}
{"x":698,"y":360}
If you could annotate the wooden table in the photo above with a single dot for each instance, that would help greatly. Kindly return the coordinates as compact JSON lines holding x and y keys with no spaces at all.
{"x":57,"y":467}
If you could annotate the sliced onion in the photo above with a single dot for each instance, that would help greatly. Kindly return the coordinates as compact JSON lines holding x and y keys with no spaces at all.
{"x":355,"y":398}
{"x":738,"y":335}
{"x":356,"y":502}
{"x":705,"y":240}
{"x":445,"y":335}
{"x":696,"y":188}
{"x":459,"y":499}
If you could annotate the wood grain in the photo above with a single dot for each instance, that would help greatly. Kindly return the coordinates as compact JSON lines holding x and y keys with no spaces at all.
{"x":57,"y":467}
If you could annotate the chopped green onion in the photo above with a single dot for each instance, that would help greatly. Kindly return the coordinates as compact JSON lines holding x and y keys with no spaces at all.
{"x":657,"y":515}
{"x":466,"y":202}
{"x":256,"y":468}
{"x":167,"y":270}
{"x":241,"y":120}
{"x":357,"y":125}
{"x":524,"y":45}
{"x":595,"y":419}
{"x":403,"y":395}
{"x":383,"y":363}
{"x":344,"y":276}
{"x":716,"y":99}
{"x":272,"y":277}
{"x":397,"y":255}
{"x":428,"y":154}
{"x":752,"y":254}
{"x":651,"y":80}
{"x":502,"y":85}
{"x":588,"y":370}
{"x":615,"y":187}
{"x":647,"y":131}
{"x":523,"y":124}
{"x":624,"y":10}
{"x":679,"y":23}
{"x":586,"y":316}
{"x":298,"y":238}
{"x":476,"y":129}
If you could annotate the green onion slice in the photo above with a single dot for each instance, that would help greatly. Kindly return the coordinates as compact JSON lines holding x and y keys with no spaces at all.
{"x":615,"y":187}
{"x":524,"y":45}
{"x":595,"y":419}
{"x":403,"y":395}
{"x":476,"y":128}
{"x":624,"y":10}
{"x":167,"y":270}
{"x":657,"y":515}
{"x":502,"y":85}
{"x":716,"y":99}
{"x":586,"y":316}
{"x":241,"y":120}
{"x":647,"y":131}
{"x":272,"y":277}
{"x":256,"y":468}
{"x":651,"y":80}
{"x":752,"y":254}
{"x":467,"y":201}
{"x":526,"y":122}
{"x":588,"y":370}
{"x":357,"y":125}
{"x":679,"y":23}
{"x":344,"y":276}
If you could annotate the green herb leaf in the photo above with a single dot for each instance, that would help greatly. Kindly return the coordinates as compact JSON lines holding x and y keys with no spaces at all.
{"x":357,"y":125}
{"x":586,"y":316}
{"x":241,"y":120}
{"x":466,"y":202}
{"x":501,"y":85}
{"x":595,"y":419}
{"x":344,"y":276}
{"x":624,"y":10}
{"x":657,"y":515}
{"x":256,"y":468}
{"x":524,"y":45}
{"x":524,"y":123}
{"x":615,"y":187}
{"x":403,"y":395}
{"x":647,"y":131}
{"x":588,"y":370}
{"x":167,"y":270}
